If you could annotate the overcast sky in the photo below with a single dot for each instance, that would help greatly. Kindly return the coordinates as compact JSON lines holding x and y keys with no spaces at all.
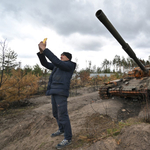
{"x":71,"y":26}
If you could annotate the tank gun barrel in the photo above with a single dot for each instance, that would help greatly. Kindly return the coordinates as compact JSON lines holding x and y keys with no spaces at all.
{"x":102,"y":17}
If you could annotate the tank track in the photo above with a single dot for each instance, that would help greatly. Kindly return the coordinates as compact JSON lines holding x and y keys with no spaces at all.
{"x":103,"y":92}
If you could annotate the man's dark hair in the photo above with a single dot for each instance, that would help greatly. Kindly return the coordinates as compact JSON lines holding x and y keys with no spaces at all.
{"x":68,"y":55}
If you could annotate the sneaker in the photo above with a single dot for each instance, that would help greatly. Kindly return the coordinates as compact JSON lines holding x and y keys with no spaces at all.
{"x":63,"y":144}
{"x":57,"y":133}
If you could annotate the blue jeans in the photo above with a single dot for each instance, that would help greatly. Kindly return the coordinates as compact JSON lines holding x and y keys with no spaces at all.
{"x":60,"y":112}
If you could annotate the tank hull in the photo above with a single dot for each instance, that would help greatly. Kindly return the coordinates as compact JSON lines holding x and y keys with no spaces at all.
{"x":127,"y":88}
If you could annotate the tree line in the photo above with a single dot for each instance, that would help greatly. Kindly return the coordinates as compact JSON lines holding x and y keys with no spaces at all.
{"x":121,"y":64}
{"x":118,"y":64}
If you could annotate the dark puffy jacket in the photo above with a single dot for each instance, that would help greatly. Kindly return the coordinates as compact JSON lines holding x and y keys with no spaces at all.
{"x":59,"y":80}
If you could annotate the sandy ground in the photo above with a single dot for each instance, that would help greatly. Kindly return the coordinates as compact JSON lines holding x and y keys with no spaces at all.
{"x":30,"y":129}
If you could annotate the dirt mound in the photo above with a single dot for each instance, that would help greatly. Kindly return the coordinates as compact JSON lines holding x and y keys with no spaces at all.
{"x":135,"y":137}
{"x":31,"y":127}
{"x":107,"y":144}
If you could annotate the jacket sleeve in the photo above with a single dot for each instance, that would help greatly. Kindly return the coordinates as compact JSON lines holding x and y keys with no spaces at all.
{"x":44,"y":62}
{"x":63,"y":65}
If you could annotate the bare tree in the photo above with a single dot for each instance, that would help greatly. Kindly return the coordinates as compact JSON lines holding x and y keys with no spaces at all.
{"x":2,"y":60}
{"x":7,"y":60}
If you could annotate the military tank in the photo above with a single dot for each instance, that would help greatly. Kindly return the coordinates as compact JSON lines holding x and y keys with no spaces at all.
{"x":137,"y":84}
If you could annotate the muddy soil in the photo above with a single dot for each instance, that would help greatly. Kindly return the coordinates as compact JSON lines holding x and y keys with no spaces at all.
{"x":30,"y":128}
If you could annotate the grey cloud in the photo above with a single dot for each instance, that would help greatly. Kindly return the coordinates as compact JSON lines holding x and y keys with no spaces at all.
{"x":130,"y":18}
{"x":65,"y":18}
{"x":89,"y":46}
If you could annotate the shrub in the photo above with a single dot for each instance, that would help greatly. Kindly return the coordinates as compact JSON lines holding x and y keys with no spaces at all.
{"x":18,"y":86}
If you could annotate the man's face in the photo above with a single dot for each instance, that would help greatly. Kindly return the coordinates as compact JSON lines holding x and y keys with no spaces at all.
{"x":64,"y":57}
